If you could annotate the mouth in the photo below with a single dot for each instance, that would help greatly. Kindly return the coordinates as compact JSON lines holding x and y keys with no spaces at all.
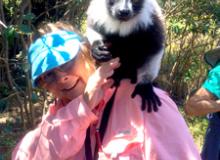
{"x":124,"y":19}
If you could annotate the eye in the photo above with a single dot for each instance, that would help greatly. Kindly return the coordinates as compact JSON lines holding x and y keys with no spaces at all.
{"x":111,"y":2}
{"x":49,"y":77}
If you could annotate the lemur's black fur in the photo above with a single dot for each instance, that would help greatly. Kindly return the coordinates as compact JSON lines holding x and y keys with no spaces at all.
{"x":135,"y":49}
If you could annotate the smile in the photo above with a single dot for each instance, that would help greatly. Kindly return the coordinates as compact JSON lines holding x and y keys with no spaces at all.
{"x":72,"y":87}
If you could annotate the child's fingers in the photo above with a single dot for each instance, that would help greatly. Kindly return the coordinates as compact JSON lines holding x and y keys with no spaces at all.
{"x":114,"y":63}
{"x":107,"y":69}
{"x":107,"y":84}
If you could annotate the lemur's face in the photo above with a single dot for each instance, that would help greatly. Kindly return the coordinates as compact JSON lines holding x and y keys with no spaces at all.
{"x":124,"y":10}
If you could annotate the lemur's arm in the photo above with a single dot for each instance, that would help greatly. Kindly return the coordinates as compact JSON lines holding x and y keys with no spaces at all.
{"x":144,"y":87}
{"x":100,"y":50}
{"x":149,"y":71}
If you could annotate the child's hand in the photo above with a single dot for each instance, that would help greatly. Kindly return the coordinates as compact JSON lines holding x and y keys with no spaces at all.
{"x":99,"y":81}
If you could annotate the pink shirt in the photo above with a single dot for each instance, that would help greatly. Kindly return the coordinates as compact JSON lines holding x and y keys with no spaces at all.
{"x":131,"y":134}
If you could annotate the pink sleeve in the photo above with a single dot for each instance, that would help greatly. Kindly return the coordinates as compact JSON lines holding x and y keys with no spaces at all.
{"x":58,"y":136}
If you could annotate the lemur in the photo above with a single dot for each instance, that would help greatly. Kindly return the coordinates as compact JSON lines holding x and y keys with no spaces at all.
{"x":132,"y":30}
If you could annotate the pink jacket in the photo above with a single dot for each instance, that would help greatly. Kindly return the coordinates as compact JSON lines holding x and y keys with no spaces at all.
{"x":131,"y":134}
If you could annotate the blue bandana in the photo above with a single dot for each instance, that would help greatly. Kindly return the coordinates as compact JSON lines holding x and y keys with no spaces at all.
{"x":52,"y":50}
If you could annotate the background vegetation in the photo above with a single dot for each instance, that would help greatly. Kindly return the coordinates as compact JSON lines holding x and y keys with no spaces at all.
{"x":192,"y":28}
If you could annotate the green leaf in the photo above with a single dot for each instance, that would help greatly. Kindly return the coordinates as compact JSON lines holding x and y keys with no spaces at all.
{"x":30,"y":16}
{"x":34,"y":98}
{"x":3,"y":105}
{"x":4,"y":90}
{"x":25,"y":29}
{"x":10,"y":33}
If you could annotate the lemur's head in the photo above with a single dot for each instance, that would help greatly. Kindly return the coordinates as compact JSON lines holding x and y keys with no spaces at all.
{"x":124,"y":10}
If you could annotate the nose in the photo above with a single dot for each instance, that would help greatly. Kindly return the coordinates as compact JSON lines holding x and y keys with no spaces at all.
{"x":62,"y":78}
{"x":124,"y":12}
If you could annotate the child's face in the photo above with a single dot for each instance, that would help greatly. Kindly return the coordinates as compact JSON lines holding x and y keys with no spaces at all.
{"x":67,"y":81}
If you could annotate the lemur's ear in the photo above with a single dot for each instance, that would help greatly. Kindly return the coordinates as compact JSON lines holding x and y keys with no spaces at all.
{"x":212,"y":57}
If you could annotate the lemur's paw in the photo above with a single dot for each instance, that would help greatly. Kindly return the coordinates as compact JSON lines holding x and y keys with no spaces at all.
{"x":100,"y":51}
{"x":147,"y":95}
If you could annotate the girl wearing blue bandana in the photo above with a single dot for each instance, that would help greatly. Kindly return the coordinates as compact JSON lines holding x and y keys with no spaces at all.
{"x":90,"y":120}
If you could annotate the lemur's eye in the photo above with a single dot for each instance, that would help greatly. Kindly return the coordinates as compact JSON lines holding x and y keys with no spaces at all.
{"x":111,"y":2}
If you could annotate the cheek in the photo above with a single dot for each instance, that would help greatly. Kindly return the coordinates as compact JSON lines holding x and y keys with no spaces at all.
{"x":54,"y":90}
{"x":80,"y":87}
{"x":85,"y":72}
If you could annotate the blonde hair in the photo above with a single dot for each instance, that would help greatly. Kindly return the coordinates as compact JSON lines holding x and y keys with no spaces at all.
{"x":45,"y":28}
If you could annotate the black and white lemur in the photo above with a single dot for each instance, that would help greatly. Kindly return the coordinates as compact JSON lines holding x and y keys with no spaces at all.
{"x":133,"y":31}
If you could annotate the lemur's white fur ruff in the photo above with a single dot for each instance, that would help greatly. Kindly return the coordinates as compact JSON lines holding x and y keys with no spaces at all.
{"x":97,"y":13}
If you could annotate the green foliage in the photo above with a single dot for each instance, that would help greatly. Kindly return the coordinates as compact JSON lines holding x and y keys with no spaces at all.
{"x":4,"y":92}
{"x":176,"y":26}
{"x":193,"y":27}
{"x":199,"y":16}
{"x":34,"y":98}
{"x":10,"y":34}
{"x":198,"y":126}
{"x":24,"y":29}
{"x":8,"y":138}
{"x":3,"y":105}
{"x":28,"y":17}
{"x":10,"y":7}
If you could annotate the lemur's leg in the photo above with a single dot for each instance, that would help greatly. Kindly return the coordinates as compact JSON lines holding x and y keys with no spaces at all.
{"x":144,"y":87}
